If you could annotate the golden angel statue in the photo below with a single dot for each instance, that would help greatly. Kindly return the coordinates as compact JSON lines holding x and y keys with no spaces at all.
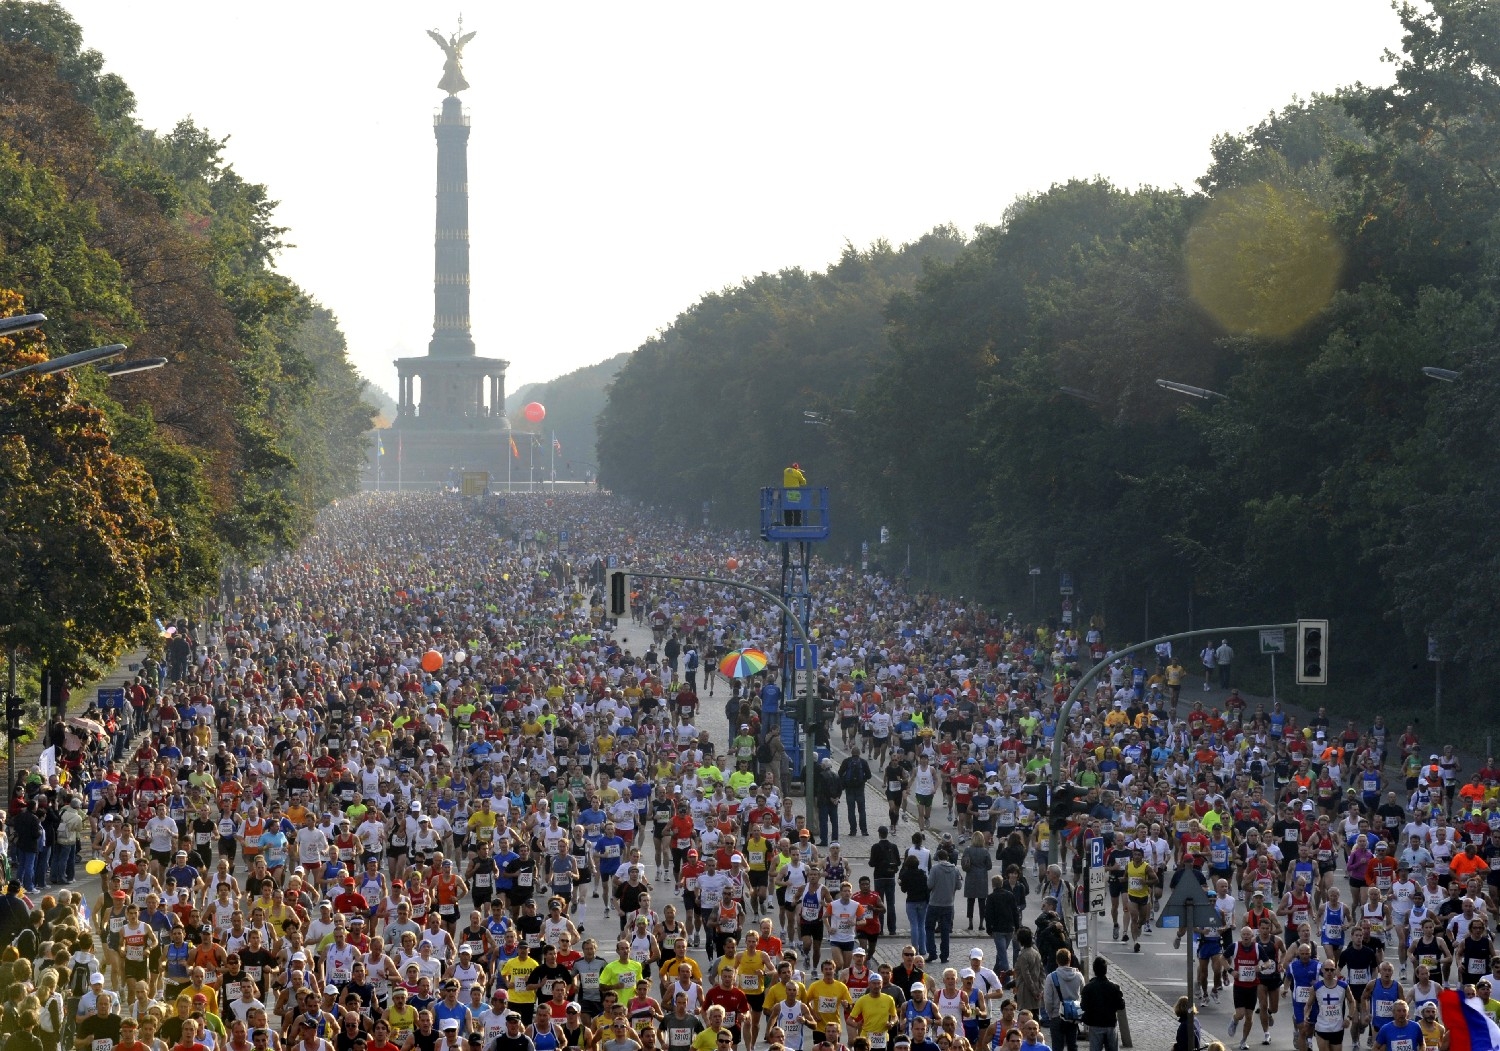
{"x":453,"y":72}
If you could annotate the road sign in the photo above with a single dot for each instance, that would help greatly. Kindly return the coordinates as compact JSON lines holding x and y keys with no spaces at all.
{"x":562,"y":540}
{"x":1065,"y":583}
{"x":1190,"y":905}
{"x":112,"y":697}
{"x":1273,"y":641}
{"x":1097,"y":876}
{"x":614,"y":561}
{"x":800,"y":657}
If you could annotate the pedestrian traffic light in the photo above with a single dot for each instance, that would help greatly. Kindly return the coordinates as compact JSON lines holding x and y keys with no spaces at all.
{"x":619,"y":593}
{"x":1312,"y":653}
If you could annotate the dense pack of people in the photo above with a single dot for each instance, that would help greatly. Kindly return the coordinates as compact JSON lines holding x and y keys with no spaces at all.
{"x":393,"y":788}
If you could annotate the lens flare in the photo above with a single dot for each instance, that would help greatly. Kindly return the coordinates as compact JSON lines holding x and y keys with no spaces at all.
{"x":1262,"y":261}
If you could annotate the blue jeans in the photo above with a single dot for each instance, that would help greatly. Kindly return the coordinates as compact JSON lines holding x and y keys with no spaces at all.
{"x":1002,"y":951}
{"x":939,"y":921}
{"x":916,"y":918}
{"x":26,"y":868}
{"x":62,"y":863}
{"x":827,"y":812}
{"x":1102,"y":1038}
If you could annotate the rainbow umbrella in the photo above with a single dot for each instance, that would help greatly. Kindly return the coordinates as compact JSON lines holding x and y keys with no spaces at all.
{"x":741,"y":664}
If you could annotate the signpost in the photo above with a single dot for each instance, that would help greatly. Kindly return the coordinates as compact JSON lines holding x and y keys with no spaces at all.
{"x":1272,"y":642}
{"x":1096,"y":897}
{"x":1190,"y":906}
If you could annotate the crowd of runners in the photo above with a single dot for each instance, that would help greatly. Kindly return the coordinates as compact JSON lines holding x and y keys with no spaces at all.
{"x":406,"y":788}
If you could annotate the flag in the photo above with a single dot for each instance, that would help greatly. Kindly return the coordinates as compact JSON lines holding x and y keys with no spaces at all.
{"x":556,"y":445}
{"x":379,"y":445}
{"x":1469,"y":1027}
{"x":513,"y":450}
{"x":46,"y":763}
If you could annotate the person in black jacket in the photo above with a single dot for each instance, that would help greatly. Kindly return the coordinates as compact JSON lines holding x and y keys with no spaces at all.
{"x":853,"y":773}
{"x":826,"y":792}
{"x":885,"y":862}
{"x":25,"y":841}
{"x":14,"y":915}
{"x":1051,"y":934}
{"x":1102,"y":1001}
{"x":1002,"y":916}
{"x":913,"y":883}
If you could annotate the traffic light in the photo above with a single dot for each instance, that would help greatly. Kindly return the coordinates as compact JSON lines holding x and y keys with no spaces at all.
{"x":619,"y":593}
{"x":1312,"y":653}
{"x":1034,"y":798}
{"x":13,"y":709}
{"x":1067,"y":800}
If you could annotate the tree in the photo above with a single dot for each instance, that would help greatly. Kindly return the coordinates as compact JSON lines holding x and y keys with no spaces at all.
{"x":80,"y":528}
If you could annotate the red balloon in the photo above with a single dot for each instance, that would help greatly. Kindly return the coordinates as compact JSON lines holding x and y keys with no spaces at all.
{"x":733,"y":563}
{"x":534,"y":411}
{"x":432,"y":661}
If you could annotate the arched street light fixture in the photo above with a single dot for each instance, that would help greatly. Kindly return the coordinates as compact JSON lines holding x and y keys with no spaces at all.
{"x":64,"y":362}
{"x":20,"y":323}
{"x":1432,"y":372}
{"x":1189,"y":390}
{"x":130,"y":368}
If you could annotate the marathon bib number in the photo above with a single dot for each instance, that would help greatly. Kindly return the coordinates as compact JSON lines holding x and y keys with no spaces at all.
{"x":1245,"y":972}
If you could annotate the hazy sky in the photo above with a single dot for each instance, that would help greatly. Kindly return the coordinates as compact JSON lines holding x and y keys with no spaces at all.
{"x":627,"y":158}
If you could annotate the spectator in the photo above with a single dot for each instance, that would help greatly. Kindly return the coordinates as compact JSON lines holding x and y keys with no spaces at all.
{"x":1102,"y":1003}
{"x":1062,"y":997}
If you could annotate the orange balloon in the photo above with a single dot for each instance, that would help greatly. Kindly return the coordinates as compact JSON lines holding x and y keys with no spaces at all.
{"x":432,"y":661}
{"x":733,"y":563}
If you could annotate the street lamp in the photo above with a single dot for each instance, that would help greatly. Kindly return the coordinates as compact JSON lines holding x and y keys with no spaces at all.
{"x":130,"y":368}
{"x":1189,"y":390}
{"x":20,"y":323}
{"x":65,"y":362}
{"x":1432,"y":372}
{"x":1081,"y":395}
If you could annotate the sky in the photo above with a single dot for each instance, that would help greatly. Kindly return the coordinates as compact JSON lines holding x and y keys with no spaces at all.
{"x":626,"y":159}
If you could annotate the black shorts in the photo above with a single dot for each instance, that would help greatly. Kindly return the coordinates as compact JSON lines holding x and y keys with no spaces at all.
{"x":1270,"y":981}
{"x":1116,"y":887}
{"x":760,"y":878}
{"x":1336,"y":1037}
{"x":810,"y":928}
{"x":1246,"y":997}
